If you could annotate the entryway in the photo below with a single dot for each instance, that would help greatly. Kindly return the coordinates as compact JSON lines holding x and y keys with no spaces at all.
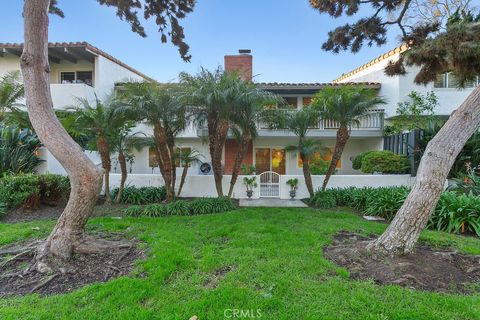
{"x":269,"y":185}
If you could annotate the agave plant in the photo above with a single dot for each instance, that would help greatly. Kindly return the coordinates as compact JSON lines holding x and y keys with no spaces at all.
{"x":18,"y":150}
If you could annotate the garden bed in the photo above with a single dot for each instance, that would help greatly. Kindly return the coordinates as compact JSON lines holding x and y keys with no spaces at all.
{"x":428,"y":268}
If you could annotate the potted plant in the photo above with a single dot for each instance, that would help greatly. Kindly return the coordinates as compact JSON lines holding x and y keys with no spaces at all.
{"x":293,"y":183}
{"x":250,"y":183}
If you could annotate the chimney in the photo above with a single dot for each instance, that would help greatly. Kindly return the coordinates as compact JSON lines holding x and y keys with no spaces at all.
{"x":243,"y":63}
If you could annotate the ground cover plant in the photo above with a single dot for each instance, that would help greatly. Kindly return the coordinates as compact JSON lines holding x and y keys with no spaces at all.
{"x":263,"y":259}
{"x":142,"y":195}
{"x":455,"y":212}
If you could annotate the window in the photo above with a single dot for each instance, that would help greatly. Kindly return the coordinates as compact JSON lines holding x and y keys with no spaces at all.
{"x":180,"y":153}
{"x":448,"y":80}
{"x":85,"y":77}
{"x":152,"y":158}
{"x":307,"y":101}
{"x":326,"y":157}
{"x":291,"y":102}
{"x":267,"y":159}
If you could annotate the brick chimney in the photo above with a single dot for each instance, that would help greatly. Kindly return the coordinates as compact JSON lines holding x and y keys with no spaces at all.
{"x":243,"y":63}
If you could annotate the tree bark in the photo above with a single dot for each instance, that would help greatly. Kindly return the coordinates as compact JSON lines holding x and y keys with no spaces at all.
{"x":217,"y":138}
{"x":342,"y":137}
{"x":104,"y":151}
{"x":123,"y":169}
{"x":182,"y":180}
{"x":242,"y":151}
{"x":164,"y":159}
{"x":85,"y":177}
{"x":306,"y":174}
{"x":438,"y":158}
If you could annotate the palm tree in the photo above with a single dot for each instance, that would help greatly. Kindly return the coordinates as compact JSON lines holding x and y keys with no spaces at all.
{"x":212,"y":96}
{"x":161,"y":107}
{"x":11,"y":91}
{"x":344,"y":105}
{"x":298,"y":122}
{"x":186,"y":160}
{"x":98,"y":122}
{"x":247,"y":111}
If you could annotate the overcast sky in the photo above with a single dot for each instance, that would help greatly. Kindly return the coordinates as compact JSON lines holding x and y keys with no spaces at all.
{"x":285,"y":37}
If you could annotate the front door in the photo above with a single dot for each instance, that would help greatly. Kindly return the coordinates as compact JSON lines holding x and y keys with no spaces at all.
{"x":270,"y":159}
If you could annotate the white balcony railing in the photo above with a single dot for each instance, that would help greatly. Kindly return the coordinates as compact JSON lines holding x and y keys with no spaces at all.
{"x":64,"y":95}
{"x":373,"y":120}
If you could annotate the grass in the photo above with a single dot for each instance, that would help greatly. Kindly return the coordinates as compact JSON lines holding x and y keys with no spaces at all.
{"x":277,"y":268}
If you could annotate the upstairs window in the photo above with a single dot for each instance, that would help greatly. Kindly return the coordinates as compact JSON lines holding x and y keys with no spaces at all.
{"x":85,"y":77}
{"x":448,"y":80}
{"x":290,"y":103}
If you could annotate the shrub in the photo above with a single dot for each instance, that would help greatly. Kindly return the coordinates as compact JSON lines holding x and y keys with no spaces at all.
{"x":133,"y":211}
{"x":143,"y":195}
{"x":384,"y":162}
{"x":357,"y":161}
{"x":325,"y":199}
{"x":466,"y":183}
{"x":202,"y":206}
{"x":3,"y":208}
{"x":222,"y":204}
{"x":385,"y":202}
{"x":18,"y":150}
{"x":20,"y":190}
{"x":53,"y":188}
{"x":154,"y":210}
{"x":456,"y":213}
{"x":318,"y":166}
{"x":178,"y":208}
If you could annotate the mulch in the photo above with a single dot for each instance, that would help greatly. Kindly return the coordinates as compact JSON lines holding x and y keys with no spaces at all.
{"x":429,"y":268}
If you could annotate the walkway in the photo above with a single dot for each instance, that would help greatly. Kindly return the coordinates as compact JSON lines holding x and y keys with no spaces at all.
{"x":272,"y":202}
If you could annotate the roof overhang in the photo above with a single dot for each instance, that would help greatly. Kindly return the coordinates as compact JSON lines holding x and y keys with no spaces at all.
{"x":311,"y":88}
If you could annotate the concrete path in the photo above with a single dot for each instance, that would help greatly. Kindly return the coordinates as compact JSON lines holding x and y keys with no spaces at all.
{"x":272,"y":202}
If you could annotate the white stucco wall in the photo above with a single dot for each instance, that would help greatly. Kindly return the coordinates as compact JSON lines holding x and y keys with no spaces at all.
{"x":396,"y":89}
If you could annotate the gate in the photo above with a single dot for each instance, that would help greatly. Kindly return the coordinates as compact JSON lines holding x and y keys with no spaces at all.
{"x":269,"y":184}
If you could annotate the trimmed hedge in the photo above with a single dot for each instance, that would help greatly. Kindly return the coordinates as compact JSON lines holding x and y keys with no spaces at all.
{"x":142,"y":195}
{"x":454,"y":212}
{"x":183,"y":208}
{"x":384,"y":162}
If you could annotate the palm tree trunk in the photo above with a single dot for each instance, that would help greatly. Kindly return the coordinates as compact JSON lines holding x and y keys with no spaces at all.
{"x":164,"y":159}
{"x":104,"y":151}
{"x":306,"y":173}
{"x":85,"y":177}
{"x":242,"y":151}
{"x":123,"y":169}
{"x":182,"y":180}
{"x":171,"y":148}
{"x":216,"y":150}
{"x":402,"y":234}
{"x":342,"y":137}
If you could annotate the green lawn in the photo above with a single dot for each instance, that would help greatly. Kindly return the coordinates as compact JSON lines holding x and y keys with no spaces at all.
{"x":278,"y":267}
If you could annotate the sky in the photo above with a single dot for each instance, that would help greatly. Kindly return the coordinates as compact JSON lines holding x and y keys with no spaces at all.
{"x":285,"y":37}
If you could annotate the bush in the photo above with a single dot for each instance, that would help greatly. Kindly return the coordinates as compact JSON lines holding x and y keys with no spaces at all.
{"x":133,"y":211}
{"x":385,"y":202}
{"x":154,"y":210}
{"x":18,"y":150}
{"x":384,"y":162}
{"x":143,"y":195}
{"x":357,"y":161}
{"x":456,"y":213}
{"x":3,"y":208}
{"x":53,"y":189}
{"x":318,"y":166}
{"x":20,"y":190}
{"x":325,"y":199}
{"x":178,"y":208}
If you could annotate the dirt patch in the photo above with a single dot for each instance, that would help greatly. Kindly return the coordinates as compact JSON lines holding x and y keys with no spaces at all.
{"x":81,"y":269}
{"x":430,"y":269}
{"x":214,"y":278}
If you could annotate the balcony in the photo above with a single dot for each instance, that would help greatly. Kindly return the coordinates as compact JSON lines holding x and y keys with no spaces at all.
{"x":371,"y":125}
{"x":64,"y":95}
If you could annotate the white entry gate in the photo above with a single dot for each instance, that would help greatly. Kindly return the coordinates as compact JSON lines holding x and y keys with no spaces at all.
{"x":269,"y":184}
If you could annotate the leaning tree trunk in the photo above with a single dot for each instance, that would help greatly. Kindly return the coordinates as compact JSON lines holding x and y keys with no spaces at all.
{"x":85,"y":177}
{"x":306,"y":174}
{"x":216,"y":150}
{"x":242,"y":150}
{"x":182,"y":180}
{"x":342,"y":138}
{"x":439,"y":156}
{"x":104,"y":151}
{"x":123,"y":169}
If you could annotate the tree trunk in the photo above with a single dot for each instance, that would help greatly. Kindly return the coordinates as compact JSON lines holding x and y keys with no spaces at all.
{"x":242,"y":150}
{"x":123,"y":169}
{"x":342,"y":138}
{"x":85,"y":177}
{"x":216,"y":144}
{"x":104,"y":151}
{"x":306,"y":174}
{"x":171,"y":149}
{"x":164,"y":159}
{"x":438,"y":158}
{"x":182,"y":180}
